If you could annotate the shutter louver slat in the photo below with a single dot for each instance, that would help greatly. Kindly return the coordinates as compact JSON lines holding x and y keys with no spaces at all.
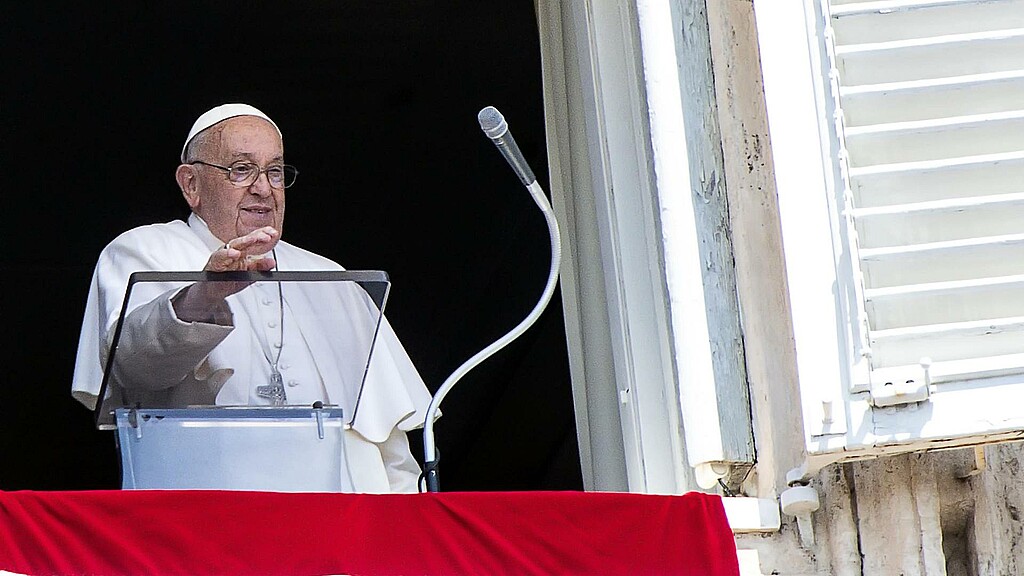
{"x":933,"y":98}
{"x":940,"y":220}
{"x":909,"y":20}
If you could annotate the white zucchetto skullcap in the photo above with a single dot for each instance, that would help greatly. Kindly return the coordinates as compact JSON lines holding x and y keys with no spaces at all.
{"x":220,"y":114}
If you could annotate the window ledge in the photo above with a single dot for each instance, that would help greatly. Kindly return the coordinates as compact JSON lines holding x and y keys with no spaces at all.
{"x":747,"y":514}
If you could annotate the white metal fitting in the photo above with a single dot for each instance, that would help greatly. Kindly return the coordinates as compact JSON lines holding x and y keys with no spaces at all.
{"x":801,"y":501}
{"x":709,"y":473}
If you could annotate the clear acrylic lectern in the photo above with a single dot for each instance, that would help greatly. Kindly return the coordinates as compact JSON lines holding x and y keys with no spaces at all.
{"x":257,"y":395}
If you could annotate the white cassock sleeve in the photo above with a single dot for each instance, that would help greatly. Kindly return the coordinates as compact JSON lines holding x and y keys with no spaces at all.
{"x":156,"y":350}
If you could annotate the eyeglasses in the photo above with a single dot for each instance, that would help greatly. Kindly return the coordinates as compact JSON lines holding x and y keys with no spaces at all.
{"x":246,"y":173}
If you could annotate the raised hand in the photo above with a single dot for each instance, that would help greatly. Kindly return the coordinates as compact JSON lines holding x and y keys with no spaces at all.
{"x":249,"y":252}
{"x":204,"y":302}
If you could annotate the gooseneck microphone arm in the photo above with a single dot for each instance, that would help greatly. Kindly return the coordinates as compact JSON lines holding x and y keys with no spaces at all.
{"x":494,"y":126}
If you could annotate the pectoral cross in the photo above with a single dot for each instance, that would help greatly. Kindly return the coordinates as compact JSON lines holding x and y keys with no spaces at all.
{"x":275,"y":390}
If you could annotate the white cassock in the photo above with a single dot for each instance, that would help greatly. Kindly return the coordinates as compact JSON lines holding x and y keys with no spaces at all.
{"x":183,"y":363}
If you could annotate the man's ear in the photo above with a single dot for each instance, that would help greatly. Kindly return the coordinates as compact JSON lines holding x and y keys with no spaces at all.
{"x":189,"y":184}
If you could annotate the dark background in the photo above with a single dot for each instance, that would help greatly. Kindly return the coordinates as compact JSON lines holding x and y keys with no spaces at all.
{"x":378,"y":103}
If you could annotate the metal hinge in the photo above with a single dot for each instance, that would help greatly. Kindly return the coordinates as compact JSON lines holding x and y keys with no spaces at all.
{"x":901,"y":385}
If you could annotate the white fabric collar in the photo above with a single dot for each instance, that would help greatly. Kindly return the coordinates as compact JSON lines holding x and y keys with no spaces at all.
{"x":199,"y":226}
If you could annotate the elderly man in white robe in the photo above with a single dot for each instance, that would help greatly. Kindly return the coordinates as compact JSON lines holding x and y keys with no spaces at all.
{"x":233,"y":177}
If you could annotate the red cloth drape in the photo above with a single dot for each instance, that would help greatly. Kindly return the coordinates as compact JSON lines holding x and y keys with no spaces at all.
{"x":227,"y":533}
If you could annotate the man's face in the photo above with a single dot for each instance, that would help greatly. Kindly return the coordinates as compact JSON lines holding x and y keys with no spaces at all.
{"x":230,"y":210}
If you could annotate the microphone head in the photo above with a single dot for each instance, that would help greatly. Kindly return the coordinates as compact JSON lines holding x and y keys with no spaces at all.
{"x":492,"y":122}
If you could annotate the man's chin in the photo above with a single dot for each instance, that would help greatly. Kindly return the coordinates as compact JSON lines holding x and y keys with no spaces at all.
{"x":249,"y":221}
{"x":243,"y":227}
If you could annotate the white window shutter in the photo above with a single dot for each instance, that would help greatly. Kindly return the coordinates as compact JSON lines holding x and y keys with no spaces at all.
{"x":904,"y":246}
{"x":931,"y":132}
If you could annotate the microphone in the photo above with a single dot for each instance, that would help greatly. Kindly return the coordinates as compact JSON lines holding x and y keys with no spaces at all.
{"x":494,"y":126}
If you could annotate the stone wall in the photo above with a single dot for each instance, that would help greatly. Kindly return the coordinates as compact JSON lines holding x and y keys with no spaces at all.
{"x":951,"y":512}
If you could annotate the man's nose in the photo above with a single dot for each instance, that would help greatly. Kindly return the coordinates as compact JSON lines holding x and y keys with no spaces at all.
{"x":261,"y":186}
